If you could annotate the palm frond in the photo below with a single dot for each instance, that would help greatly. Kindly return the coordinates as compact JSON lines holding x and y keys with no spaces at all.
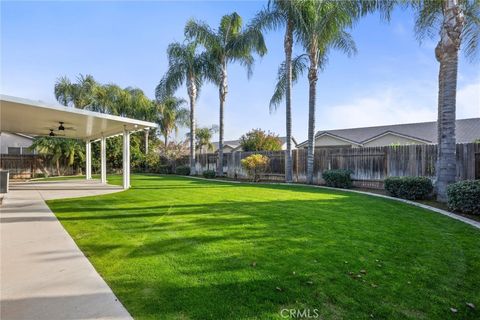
{"x":171,"y":81}
{"x":299,"y":66}
{"x":471,"y":30}
{"x":428,"y":18}
{"x":201,"y":32}
{"x":344,"y":42}
{"x":230,"y":26}
{"x":269,"y":18}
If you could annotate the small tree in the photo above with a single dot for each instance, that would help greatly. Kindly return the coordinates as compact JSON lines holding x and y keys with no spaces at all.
{"x":61,"y":150}
{"x":255,"y":164}
{"x":258,"y":140}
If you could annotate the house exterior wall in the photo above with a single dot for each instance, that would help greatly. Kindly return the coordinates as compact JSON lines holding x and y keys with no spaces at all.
{"x":227,"y":149}
{"x":327,"y":141}
{"x":14,"y":141}
{"x":391,"y":139}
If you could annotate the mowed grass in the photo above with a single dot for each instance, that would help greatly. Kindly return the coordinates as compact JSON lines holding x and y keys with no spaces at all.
{"x":179,"y":248}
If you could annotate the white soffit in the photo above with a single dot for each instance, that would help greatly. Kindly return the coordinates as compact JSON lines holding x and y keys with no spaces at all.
{"x":30,"y":117}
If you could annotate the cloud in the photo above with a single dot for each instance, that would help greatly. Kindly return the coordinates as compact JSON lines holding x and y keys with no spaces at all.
{"x":468,"y":101}
{"x":415,"y":102}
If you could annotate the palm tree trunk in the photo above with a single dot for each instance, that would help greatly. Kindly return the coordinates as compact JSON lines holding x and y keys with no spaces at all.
{"x":58,"y":167}
{"x":447,"y":54}
{"x":223,"y":93}
{"x":312,"y":94}
{"x":288,"y":102}
{"x":166,"y":141}
{"x":192,"y":93}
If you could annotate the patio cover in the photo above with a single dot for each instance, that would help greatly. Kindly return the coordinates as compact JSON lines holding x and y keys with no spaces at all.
{"x":18,"y":115}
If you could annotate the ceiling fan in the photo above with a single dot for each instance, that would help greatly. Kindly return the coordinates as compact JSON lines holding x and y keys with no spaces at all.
{"x":61,"y":127}
{"x":53,"y":133}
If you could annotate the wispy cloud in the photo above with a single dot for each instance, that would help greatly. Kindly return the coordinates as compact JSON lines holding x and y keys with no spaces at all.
{"x":468,"y":101}
{"x":398,"y":105}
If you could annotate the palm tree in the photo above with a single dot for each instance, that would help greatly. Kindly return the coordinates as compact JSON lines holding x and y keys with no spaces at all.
{"x":60,"y":149}
{"x":63,"y":91}
{"x":229,"y":43}
{"x":79,"y":94}
{"x":323,"y":29}
{"x":204,"y":137}
{"x":82,"y":94}
{"x":283,"y":13}
{"x":138,"y":106}
{"x":185,"y":64}
{"x":171,"y":115}
{"x":458,"y":22}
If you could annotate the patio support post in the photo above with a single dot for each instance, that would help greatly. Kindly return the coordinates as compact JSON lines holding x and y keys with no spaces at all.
{"x":88,"y":160}
{"x":103,"y":159}
{"x":126,"y":159}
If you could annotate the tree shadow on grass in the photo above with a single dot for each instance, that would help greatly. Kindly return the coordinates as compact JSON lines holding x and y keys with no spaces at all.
{"x":194,"y":261}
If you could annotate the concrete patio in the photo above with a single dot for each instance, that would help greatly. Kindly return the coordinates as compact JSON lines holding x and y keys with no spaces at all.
{"x":44,"y":275}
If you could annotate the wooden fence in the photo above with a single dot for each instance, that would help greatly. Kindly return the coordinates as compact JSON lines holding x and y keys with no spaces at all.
{"x":30,"y":166}
{"x":370,"y":166}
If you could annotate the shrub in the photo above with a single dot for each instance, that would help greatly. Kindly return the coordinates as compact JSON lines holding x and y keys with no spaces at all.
{"x":464,"y":196}
{"x":183,"y":170}
{"x":338,"y":178}
{"x":209,"y":174}
{"x":164,"y":169}
{"x":412,"y":188}
{"x":255,"y":164}
{"x":258,"y":140}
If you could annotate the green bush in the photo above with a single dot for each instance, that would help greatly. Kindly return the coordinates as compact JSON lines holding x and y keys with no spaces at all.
{"x":338,"y":178}
{"x":183,"y":170}
{"x":163,"y":169}
{"x":412,"y":188}
{"x":209,"y":174}
{"x":464,"y":196}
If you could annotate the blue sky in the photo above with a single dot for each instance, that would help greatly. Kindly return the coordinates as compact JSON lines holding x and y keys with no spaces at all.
{"x":392,"y":79}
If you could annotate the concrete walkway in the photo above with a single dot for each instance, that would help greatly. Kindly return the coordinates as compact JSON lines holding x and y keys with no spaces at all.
{"x":44,"y":275}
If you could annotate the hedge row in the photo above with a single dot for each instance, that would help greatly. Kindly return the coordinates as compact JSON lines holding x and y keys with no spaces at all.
{"x":464,"y":196}
{"x":338,"y":178}
{"x":412,"y":188}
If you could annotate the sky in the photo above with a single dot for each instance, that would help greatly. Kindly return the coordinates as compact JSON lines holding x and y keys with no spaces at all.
{"x":391,"y":80}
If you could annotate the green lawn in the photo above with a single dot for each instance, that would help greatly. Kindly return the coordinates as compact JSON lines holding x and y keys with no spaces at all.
{"x":179,"y":248}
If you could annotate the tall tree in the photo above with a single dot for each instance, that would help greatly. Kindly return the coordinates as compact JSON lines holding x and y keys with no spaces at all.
{"x":63,"y":91}
{"x":287,"y":14}
{"x":227,"y":44}
{"x":186,"y":65}
{"x":323,"y":29}
{"x":458,"y":23}
{"x":86,"y":93}
{"x":83,"y":90}
{"x":171,"y":115}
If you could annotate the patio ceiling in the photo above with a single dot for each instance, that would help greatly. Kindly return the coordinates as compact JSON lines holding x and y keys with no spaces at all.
{"x":30,"y":117}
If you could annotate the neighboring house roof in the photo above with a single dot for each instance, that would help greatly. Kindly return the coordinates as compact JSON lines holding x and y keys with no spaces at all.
{"x":235,"y":144}
{"x":467,"y":130}
{"x":231,"y":143}
{"x":22,"y":135}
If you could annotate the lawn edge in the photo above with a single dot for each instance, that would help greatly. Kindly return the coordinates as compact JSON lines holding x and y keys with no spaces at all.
{"x":468,"y":221}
